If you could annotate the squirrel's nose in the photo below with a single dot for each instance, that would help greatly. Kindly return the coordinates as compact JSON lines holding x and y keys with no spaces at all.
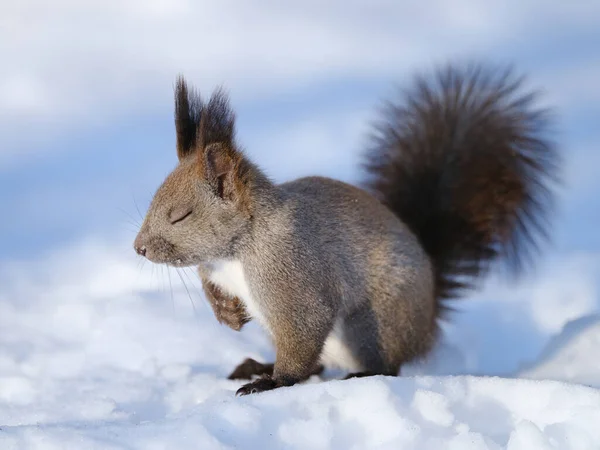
{"x":139,"y":245}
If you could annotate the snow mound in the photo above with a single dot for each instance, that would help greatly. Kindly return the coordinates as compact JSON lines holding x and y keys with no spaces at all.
{"x":98,"y":354}
{"x":462,"y":413}
{"x":569,"y":355}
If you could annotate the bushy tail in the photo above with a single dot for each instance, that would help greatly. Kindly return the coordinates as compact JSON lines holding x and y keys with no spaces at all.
{"x":464,"y":160}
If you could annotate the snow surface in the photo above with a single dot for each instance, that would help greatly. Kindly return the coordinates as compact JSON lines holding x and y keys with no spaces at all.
{"x":572,"y":355}
{"x":98,"y":353}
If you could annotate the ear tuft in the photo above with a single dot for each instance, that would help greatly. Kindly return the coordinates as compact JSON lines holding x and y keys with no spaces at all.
{"x":188,"y":106}
{"x":200,"y":124}
{"x":217,"y":122}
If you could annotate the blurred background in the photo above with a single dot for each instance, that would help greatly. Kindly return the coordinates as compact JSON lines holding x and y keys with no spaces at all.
{"x":87,"y":135}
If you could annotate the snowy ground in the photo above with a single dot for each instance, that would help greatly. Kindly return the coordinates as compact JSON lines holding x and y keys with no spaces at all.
{"x":96,"y":352}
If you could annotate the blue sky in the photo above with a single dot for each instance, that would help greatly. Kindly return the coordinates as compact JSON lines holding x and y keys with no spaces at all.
{"x":86,"y":127}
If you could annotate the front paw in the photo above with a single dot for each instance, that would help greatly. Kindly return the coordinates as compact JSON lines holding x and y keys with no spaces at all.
{"x":266,"y":383}
{"x":231,"y":312}
{"x":228,"y":310}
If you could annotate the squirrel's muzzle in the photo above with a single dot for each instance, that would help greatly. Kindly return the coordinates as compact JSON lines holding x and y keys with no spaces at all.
{"x":155,"y":249}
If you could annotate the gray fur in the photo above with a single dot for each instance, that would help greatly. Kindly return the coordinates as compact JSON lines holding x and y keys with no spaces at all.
{"x":316,"y":252}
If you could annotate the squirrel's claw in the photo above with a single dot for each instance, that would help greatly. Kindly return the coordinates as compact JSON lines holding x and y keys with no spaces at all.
{"x":265,"y":383}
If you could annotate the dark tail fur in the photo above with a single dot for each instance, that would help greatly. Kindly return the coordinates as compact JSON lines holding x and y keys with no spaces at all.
{"x":464,"y":160}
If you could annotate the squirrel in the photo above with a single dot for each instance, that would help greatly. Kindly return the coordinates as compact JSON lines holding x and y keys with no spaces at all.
{"x":458,"y":174}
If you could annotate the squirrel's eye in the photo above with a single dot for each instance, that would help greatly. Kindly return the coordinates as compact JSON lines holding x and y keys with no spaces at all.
{"x":178,"y":214}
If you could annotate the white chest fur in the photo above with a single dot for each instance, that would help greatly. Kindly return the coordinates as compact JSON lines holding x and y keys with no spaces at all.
{"x":230,"y":277}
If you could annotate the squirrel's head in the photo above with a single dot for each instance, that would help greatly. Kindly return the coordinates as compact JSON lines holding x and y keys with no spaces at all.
{"x":204,"y":207}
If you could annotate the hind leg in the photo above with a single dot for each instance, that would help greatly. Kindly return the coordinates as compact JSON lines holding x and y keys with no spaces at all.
{"x":250,"y":367}
{"x":365,"y":374}
{"x":361,"y":335}
{"x":359,"y":375}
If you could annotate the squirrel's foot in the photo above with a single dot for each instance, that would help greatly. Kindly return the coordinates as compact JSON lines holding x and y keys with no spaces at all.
{"x":265,"y":383}
{"x":248,"y":368}
{"x":358,"y":375}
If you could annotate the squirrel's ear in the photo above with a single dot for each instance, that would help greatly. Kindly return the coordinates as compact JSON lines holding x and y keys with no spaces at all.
{"x":218,"y":166}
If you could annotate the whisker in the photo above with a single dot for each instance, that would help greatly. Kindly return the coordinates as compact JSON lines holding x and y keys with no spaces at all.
{"x":190,"y":279}
{"x":171,"y":289}
{"x":160,"y":274}
{"x":140,"y":268}
{"x":129,"y":229}
{"x":133,"y":219}
{"x":188,"y":292}
{"x":132,"y":226}
{"x":195,"y":275}
{"x":137,"y":207}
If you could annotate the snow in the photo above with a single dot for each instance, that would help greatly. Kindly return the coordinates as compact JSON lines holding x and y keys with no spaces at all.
{"x":570,"y":355}
{"x":421,"y":413}
{"x":97,"y":352}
